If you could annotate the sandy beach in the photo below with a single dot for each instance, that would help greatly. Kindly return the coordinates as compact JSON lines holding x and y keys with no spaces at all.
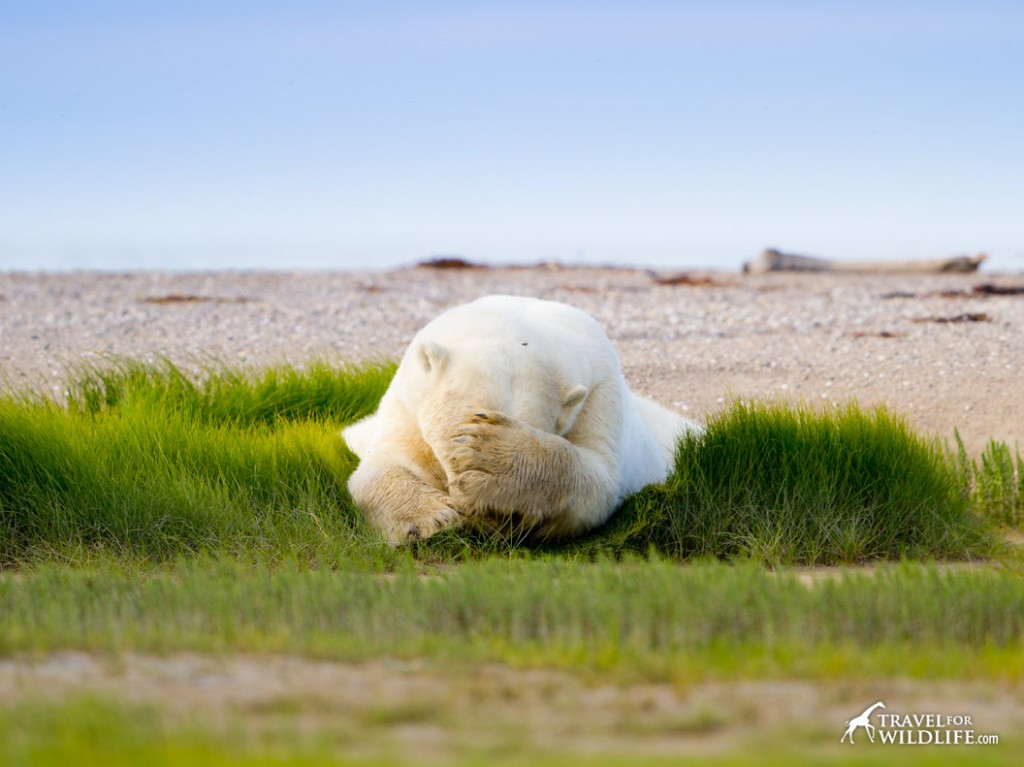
{"x":947,"y":351}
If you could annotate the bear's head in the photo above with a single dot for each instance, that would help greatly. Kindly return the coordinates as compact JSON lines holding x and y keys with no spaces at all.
{"x":522,"y":381}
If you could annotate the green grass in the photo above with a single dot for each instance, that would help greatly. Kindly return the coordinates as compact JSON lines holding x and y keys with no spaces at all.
{"x":998,"y":483}
{"x":646,"y":618}
{"x":149,"y":463}
{"x":90,"y":730}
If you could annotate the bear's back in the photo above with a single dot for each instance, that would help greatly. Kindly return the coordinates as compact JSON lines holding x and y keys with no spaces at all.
{"x":565,"y":335}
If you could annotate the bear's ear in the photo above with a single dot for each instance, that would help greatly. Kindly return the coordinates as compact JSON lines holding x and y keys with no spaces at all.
{"x":432,"y":356}
{"x":572,"y":403}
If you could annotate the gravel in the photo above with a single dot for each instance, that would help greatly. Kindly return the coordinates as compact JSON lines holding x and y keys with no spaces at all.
{"x":945,"y":361}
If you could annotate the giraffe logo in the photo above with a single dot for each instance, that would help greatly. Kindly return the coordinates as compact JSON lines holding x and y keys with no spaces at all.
{"x":864,"y":720}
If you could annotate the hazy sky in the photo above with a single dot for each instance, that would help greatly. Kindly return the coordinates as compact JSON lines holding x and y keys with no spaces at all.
{"x":334,"y":134}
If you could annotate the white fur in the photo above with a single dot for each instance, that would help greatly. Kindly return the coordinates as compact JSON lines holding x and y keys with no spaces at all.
{"x":508,"y":408}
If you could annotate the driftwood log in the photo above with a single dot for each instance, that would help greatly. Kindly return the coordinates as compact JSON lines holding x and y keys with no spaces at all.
{"x":772,"y":260}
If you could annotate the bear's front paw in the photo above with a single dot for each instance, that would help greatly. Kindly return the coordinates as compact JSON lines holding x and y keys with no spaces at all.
{"x":481,"y":443}
{"x":425,"y":523}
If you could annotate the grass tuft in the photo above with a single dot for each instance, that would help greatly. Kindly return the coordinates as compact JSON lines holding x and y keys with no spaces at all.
{"x":998,"y":484}
{"x":786,"y":485}
{"x":148,"y":462}
{"x":231,"y":397}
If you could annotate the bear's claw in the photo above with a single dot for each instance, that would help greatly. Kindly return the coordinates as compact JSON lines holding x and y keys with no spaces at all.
{"x":490,"y":417}
{"x":429,"y":524}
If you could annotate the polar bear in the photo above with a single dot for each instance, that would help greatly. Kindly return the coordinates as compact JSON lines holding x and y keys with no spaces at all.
{"x":510,"y":409}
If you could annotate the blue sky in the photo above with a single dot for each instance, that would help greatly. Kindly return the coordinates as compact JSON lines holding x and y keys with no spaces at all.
{"x":353,"y":135}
